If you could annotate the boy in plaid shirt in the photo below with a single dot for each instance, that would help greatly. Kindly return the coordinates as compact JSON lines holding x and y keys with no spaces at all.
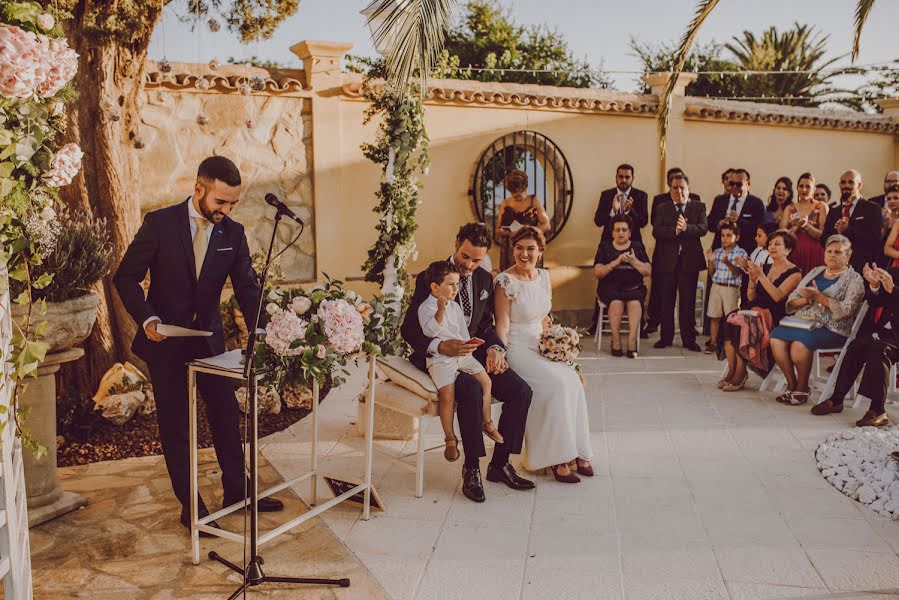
{"x":727,"y":277}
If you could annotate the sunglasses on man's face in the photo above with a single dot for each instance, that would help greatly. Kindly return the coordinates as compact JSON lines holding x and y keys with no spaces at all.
{"x":736,"y":184}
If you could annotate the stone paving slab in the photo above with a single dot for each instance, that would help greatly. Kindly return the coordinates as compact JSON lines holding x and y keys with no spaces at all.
{"x":128,"y":542}
{"x":698,"y":494}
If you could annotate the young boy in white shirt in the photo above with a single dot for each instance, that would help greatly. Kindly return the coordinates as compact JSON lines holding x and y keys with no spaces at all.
{"x":441,"y":317}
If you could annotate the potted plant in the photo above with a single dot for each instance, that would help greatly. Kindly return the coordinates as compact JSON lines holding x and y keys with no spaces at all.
{"x":79,"y":259}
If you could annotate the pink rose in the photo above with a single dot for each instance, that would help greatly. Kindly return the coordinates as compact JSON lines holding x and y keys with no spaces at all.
{"x":64,"y":166}
{"x":321,"y":352}
{"x":46,"y":22}
{"x":301,"y":304}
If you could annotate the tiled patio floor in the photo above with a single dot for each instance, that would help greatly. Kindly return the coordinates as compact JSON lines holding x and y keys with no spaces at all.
{"x":699,"y":494}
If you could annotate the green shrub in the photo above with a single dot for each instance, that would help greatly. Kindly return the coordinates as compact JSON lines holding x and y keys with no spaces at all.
{"x":80,"y":258}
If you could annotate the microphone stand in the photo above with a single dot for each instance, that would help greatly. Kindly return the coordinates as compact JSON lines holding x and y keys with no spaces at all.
{"x":253,"y":574}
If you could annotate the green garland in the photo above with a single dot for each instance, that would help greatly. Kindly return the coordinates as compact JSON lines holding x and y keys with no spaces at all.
{"x":401,"y":148}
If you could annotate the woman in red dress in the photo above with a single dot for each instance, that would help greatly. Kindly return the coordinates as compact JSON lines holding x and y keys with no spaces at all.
{"x":805,"y":218}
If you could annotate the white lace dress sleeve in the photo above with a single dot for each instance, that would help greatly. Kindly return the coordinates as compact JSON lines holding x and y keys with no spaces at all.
{"x":509,"y":284}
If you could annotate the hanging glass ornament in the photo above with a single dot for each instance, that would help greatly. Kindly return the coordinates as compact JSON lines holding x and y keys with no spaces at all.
{"x":202,"y":119}
{"x":202,"y":84}
{"x":213,"y":25}
{"x":214,"y":64}
{"x":244,"y":88}
{"x":257,"y":83}
{"x":165,"y":66}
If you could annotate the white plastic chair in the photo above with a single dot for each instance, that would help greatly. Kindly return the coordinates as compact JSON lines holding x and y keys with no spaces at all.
{"x":826,"y":382}
{"x":602,"y":325}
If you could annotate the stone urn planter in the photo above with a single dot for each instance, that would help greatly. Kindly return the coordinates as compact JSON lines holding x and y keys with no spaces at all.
{"x":70,"y":323}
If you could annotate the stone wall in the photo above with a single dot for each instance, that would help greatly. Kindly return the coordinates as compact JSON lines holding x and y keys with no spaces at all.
{"x":274,"y":155}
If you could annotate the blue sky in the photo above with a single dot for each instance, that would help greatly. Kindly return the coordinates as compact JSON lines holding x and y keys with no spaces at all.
{"x":596,"y":29}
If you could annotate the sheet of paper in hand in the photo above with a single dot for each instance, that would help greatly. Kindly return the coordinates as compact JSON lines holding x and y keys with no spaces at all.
{"x":175,"y":331}
{"x":515,"y":226}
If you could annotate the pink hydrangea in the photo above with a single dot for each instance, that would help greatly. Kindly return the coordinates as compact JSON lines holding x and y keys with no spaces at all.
{"x":342,"y":325}
{"x":284,"y":329}
{"x":24,"y":62}
{"x":63,"y":66}
{"x":64,"y":166}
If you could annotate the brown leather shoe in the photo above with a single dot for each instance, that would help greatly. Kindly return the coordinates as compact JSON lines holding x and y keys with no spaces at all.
{"x":827,"y":407}
{"x":872,"y":419}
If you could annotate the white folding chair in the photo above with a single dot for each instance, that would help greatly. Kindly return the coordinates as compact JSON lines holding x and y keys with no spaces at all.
{"x":827,"y":381}
{"x":603,"y":326}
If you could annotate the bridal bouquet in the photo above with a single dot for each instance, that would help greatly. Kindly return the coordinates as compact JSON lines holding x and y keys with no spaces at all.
{"x":561,"y":344}
{"x":314,"y":333}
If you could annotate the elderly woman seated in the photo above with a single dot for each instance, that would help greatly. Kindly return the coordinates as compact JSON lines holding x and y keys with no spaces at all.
{"x":620,"y":266}
{"x":769,"y":287}
{"x":828,"y":299}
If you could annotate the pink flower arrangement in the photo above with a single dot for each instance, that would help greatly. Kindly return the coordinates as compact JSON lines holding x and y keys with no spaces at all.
{"x":342,"y":325}
{"x":283,"y":330}
{"x":24,"y":62}
{"x":559,"y":343}
{"x":63,"y":66}
{"x":64,"y":166}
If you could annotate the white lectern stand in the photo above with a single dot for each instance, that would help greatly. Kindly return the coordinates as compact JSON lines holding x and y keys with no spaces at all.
{"x":229,"y":365}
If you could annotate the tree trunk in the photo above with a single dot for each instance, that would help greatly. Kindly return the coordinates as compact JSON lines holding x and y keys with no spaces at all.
{"x":104,"y":121}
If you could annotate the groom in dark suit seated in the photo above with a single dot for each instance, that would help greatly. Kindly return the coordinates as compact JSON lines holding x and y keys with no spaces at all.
{"x":874,"y":350}
{"x":476,"y":297}
{"x":190,"y":249}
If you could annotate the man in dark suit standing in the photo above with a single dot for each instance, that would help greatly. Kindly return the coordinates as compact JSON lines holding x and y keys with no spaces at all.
{"x":739,"y":207}
{"x":653,"y":314}
{"x":622,"y":199}
{"x":856,"y":218}
{"x":190,"y":249}
{"x":889,"y":180}
{"x":874,"y":350}
{"x":476,"y":297}
{"x":677,"y":260}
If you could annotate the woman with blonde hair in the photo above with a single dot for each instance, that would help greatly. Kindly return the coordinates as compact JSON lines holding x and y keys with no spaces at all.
{"x":519,"y":207}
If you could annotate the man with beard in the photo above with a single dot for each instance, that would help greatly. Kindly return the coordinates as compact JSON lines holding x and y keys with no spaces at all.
{"x":476,"y":298}
{"x":623,"y":199}
{"x":857,"y":219}
{"x":190,"y":249}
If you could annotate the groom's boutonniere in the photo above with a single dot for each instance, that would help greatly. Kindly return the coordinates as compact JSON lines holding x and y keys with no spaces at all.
{"x":484,"y":294}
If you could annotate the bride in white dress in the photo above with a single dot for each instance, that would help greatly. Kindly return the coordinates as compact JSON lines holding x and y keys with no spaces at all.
{"x":557,"y":430}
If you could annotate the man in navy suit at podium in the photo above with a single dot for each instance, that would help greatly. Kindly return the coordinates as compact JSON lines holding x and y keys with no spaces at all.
{"x":190,"y":249}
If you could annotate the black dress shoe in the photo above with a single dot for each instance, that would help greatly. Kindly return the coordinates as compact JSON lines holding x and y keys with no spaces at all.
{"x":692,"y":346}
{"x":650,"y":329}
{"x":661,"y":344}
{"x":264,"y":504}
{"x":509,"y":476}
{"x":472,"y":486}
{"x":185,"y":521}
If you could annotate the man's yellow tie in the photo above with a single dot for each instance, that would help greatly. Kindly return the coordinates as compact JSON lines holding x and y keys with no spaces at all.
{"x":200,"y":243}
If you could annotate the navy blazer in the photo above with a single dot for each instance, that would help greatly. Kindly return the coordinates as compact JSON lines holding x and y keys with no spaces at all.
{"x":481,"y":324}
{"x":752,"y":214}
{"x":639,"y":213}
{"x":163,"y":247}
{"x":682,"y":251}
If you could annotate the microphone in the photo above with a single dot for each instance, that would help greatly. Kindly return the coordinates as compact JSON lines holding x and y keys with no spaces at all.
{"x":272,"y":200}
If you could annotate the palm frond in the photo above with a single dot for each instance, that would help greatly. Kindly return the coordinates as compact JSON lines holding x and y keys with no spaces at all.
{"x":862,"y":10}
{"x":411,"y":33}
{"x":702,"y":12}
